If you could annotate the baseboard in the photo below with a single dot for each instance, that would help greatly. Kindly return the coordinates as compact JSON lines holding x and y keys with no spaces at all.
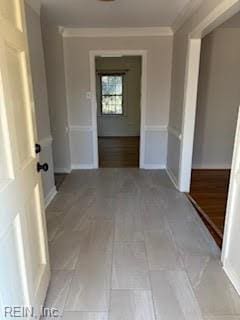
{"x":50,"y":196}
{"x":232,"y":275}
{"x":211,"y":167}
{"x":62,"y":170}
{"x":153,"y":166}
{"x":172,"y":178}
{"x":83,"y":167}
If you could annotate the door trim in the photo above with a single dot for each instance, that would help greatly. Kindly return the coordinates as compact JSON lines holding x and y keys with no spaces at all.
{"x":118,"y":53}
{"x":231,"y":211}
{"x":221,"y":14}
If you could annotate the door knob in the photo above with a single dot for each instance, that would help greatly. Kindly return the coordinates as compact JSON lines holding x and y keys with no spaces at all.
{"x":43,"y":167}
{"x":38,"y":148}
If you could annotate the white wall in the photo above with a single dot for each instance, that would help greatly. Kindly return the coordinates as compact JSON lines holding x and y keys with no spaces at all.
{"x":127,"y":124}
{"x":207,"y":10}
{"x":41,"y":98}
{"x":159,"y":58}
{"x":53,"y":49}
{"x":218,"y":99}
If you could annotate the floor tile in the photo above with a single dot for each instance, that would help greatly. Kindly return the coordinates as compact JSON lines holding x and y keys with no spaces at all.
{"x":54,"y":223}
{"x":102,"y":207}
{"x":114,"y":226}
{"x":58,"y":290}
{"x":173,"y":296}
{"x":96,"y":239}
{"x":62,"y":202}
{"x":128,"y":223}
{"x":64,"y":250}
{"x":90,"y":288}
{"x":131,"y":305}
{"x":85,"y":316}
{"x":161,"y":250}
{"x":213,"y":289}
{"x":130,"y":269}
{"x":222,"y":318}
{"x":192,"y":238}
{"x":152,"y":216}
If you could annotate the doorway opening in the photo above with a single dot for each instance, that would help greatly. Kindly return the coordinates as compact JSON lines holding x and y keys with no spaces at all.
{"x":118,"y":93}
{"x":119,"y":90}
{"x":218,"y":101}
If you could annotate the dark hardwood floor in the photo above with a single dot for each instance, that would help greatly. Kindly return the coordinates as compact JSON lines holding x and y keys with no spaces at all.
{"x":118,"y":152}
{"x":209,"y":191}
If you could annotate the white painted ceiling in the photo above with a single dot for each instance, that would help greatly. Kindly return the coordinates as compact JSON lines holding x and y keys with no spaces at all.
{"x":120,"y":13}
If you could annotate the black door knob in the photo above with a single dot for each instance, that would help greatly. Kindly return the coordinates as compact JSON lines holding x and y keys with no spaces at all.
{"x":43,"y":167}
{"x":38,"y":148}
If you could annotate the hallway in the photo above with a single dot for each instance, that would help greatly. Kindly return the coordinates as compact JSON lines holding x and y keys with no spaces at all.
{"x":125,"y":245}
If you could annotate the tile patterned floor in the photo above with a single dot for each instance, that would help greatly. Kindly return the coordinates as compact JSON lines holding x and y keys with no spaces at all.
{"x":125,"y":245}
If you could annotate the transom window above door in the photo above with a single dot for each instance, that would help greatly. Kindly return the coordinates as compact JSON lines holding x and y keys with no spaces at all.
{"x":111,"y":94}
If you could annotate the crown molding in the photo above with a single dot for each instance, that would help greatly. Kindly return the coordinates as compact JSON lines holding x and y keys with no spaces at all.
{"x":185,"y":14}
{"x":115,"y":32}
{"x":35,"y":5}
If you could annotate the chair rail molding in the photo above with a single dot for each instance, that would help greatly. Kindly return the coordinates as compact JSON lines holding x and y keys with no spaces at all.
{"x":81,"y":128}
{"x":115,"y":32}
{"x":156,"y":128}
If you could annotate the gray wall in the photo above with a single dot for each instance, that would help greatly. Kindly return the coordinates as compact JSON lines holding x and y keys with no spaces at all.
{"x":127,"y":124}
{"x":40,"y":97}
{"x":53,"y":49}
{"x":218,"y":99}
{"x":77,"y":67}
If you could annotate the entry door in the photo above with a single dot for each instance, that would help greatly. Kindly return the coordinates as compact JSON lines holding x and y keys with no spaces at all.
{"x":24,"y":262}
{"x":231,"y":244}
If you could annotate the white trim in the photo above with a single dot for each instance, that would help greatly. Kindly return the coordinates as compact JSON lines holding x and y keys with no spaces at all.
{"x":189,"y":113}
{"x":225,"y":10}
{"x":148,"y":166}
{"x":219,"y":15}
{"x":86,"y":166}
{"x":232,"y":211}
{"x":156,"y":128}
{"x":116,"y":32}
{"x":92,"y":56}
{"x":81,"y":128}
{"x":96,"y":53}
{"x":67,"y":128}
{"x":232,"y":275}
{"x":62,"y":170}
{"x":175,"y":133}
{"x":172,"y":178}
{"x":35,"y":5}
{"x":206,"y":166}
{"x":49,"y":197}
{"x":46,"y":142}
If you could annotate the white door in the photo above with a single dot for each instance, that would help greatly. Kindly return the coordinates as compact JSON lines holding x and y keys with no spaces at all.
{"x":24,"y":262}
{"x":231,"y":241}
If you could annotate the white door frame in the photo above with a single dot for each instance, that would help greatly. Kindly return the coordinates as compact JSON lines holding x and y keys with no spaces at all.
{"x":220,"y":15}
{"x":117,"y":53}
{"x":226,"y":10}
{"x":231,"y":212}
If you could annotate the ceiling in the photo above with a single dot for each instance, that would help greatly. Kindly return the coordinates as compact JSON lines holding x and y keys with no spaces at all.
{"x":120,"y":13}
